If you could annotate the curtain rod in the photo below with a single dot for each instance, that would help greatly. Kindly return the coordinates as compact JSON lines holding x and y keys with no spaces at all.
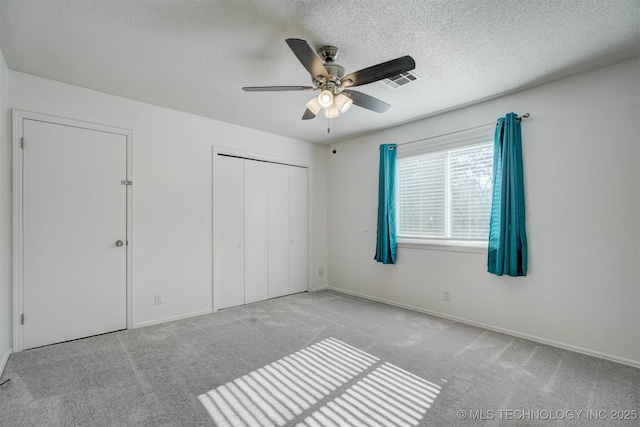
{"x":519,"y":118}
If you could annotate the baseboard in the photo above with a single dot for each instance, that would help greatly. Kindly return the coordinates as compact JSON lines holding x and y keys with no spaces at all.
{"x":5,"y":359}
{"x":171,"y":319}
{"x":612,"y":358}
{"x":186,"y":316}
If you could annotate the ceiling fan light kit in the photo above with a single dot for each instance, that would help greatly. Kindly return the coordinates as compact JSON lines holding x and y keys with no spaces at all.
{"x":314,"y":106}
{"x":333,"y":105}
{"x":331,"y":112}
{"x":330,"y":79}
{"x":325,"y":99}
{"x":343,"y":102}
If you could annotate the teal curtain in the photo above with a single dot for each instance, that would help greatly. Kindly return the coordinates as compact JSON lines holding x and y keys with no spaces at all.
{"x":386,"y":242}
{"x":507,"y":234}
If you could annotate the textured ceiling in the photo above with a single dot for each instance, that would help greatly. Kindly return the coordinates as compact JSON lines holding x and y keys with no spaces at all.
{"x":195,"y":56}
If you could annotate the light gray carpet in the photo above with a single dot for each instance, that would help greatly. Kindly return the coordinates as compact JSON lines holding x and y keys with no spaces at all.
{"x":313,"y":359}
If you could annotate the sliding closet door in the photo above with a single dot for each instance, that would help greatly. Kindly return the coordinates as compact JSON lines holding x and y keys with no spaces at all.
{"x":278,"y":178}
{"x":260,"y":230}
{"x":297,"y":229}
{"x":229,"y":230}
{"x":256,"y":229}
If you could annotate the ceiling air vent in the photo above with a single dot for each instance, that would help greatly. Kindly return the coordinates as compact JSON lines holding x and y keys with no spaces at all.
{"x":401,"y":79}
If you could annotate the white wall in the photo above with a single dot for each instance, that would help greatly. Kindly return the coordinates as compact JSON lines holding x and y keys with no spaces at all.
{"x":581,"y":160}
{"x":172,"y":188}
{"x":5,"y":220}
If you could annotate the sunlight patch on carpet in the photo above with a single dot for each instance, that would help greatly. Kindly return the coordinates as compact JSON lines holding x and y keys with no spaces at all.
{"x":294,"y":386}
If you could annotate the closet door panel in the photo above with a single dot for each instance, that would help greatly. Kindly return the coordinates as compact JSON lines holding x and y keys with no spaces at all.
{"x":278,"y":178}
{"x":297,"y":229}
{"x":229,"y":223}
{"x":256,"y":228}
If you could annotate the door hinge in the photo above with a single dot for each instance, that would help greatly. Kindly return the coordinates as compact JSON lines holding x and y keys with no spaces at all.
{"x":125,"y":182}
{"x":22,"y":143}
{"x":22,"y":319}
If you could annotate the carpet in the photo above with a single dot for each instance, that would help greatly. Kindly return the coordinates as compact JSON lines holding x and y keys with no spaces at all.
{"x":314,"y":359}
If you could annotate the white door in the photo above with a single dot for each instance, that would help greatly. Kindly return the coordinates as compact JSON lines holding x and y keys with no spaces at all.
{"x":297,"y":229}
{"x":259,"y":230}
{"x":74,"y":212}
{"x":278,"y":177}
{"x":256,"y":228}
{"x":229,"y":232}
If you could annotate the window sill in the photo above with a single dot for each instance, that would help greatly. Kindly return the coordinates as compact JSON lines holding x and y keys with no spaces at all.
{"x":467,"y":246}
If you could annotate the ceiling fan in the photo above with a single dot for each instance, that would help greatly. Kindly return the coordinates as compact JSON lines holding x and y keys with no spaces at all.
{"x":329,"y":78}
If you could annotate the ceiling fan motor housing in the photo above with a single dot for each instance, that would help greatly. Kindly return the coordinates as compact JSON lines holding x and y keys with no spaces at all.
{"x":335,"y":71}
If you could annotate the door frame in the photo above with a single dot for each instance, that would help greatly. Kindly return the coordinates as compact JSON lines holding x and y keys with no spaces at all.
{"x":215,"y":150}
{"x":17,"y":132}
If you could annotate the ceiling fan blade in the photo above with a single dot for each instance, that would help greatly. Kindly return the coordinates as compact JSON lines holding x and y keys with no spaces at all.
{"x":275,"y":88}
{"x":308,"y":115}
{"x":307,"y":56}
{"x":379,"y":72}
{"x":367,"y":101}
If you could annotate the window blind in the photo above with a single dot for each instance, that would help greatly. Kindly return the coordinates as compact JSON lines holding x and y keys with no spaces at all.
{"x":446,"y":194}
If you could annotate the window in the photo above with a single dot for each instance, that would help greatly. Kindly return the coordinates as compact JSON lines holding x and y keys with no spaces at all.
{"x":446,"y":193}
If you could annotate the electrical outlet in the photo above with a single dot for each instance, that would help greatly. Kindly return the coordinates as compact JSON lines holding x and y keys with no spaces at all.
{"x":321,"y":272}
{"x":158,"y":299}
{"x":446,"y":295}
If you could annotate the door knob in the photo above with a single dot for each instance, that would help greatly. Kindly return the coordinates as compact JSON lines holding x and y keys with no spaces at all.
{"x":119,"y":243}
